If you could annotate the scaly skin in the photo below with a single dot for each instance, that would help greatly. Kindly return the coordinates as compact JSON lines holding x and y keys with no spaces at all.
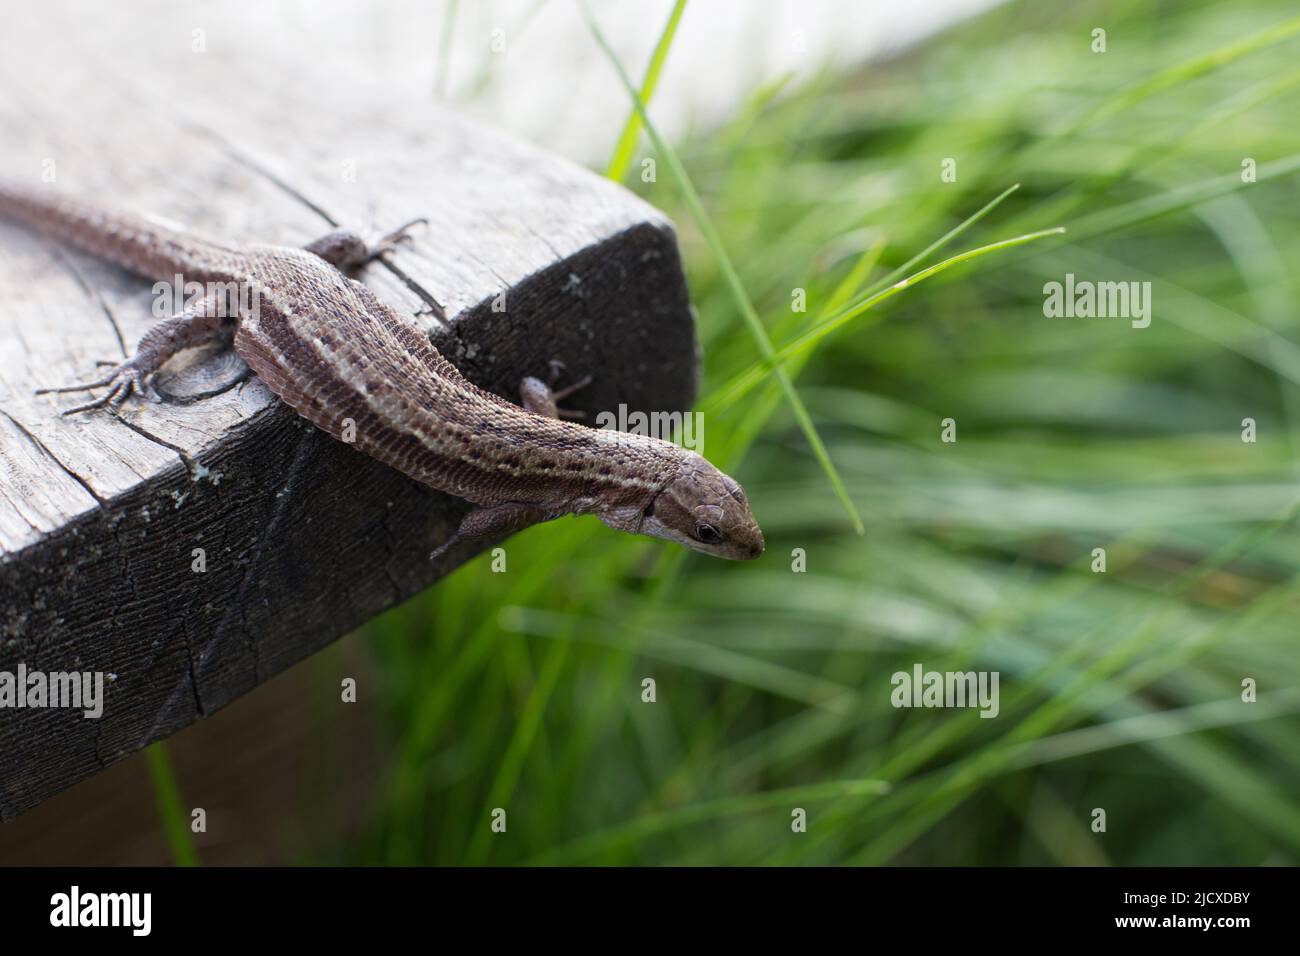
{"x":347,"y":362}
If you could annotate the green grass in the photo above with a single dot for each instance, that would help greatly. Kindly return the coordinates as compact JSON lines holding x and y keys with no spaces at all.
{"x":627,"y":140}
{"x":171,"y":811}
{"x":734,"y":284}
{"x":1120,"y":690}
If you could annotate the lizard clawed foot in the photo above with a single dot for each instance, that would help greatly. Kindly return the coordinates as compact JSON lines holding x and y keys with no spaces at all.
{"x":577,"y":386}
{"x":557,"y":368}
{"x":127,"y":378}
{"x":446,"y":546}
{"x":386,"y":244}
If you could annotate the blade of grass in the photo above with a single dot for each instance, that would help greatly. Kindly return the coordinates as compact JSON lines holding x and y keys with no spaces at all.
{"x":761,"y":410}
{"x":1151,"y":725}
{"x":739,"y":386}
{"x":1183,"y":72}
{"x":714,"y":240}
{"x":1173,"y":200}
{"x":720,"y":398}
{"x":943,"y":240}
{"x":622,"y":157}
{"x":525,"y":731}
{"x":843,"y":292}
{"x":444,"y":48}
{"x":170,"y":809}
{"x":698,"y":812}
{"x":1152,"y":153}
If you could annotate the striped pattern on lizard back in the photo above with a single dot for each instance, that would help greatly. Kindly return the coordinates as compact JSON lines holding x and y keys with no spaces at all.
{"x":330,"y":348}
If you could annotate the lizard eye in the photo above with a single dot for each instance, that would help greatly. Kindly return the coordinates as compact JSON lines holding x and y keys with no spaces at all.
{"x":708,"y":534}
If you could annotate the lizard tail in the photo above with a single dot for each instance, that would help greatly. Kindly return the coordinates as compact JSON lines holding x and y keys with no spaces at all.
{"x":145,"y":247}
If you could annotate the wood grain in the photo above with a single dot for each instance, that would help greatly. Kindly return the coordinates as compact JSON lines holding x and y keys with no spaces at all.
{"x":251,"y":139}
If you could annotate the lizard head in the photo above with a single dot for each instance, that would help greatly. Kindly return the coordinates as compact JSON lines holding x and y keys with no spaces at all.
{"x":706,"y":511}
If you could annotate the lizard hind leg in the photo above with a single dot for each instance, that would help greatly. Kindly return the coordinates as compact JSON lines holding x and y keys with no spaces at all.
{"x":342,"y":248}
{"x":135,"y":375}
{"x":541,"y":398}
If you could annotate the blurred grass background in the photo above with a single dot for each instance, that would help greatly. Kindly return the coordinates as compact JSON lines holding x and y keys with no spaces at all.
{"x":1120,"y":690}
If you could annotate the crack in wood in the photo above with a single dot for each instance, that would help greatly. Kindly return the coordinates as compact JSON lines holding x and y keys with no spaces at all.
{"x":91,"y":293}
{"x":422,"y":293}
{"x":279,"y":506}
{"x":252,"y":165}
{"x":40,"y":445}
{"x":161,"y":443}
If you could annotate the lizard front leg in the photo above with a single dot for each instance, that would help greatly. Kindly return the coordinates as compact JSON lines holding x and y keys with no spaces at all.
{"x":197,"y":326}
{"x":537,"y":397}
{"x":491,"y":521}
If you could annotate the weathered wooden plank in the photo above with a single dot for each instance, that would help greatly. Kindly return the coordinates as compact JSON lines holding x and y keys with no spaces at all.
{"x":304,"y":538}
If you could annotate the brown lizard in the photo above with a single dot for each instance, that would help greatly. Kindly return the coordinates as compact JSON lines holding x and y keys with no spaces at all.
{"x":325,"y":344}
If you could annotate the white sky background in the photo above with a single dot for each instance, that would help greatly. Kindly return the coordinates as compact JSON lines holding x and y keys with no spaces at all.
{"x":553,"y":86}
